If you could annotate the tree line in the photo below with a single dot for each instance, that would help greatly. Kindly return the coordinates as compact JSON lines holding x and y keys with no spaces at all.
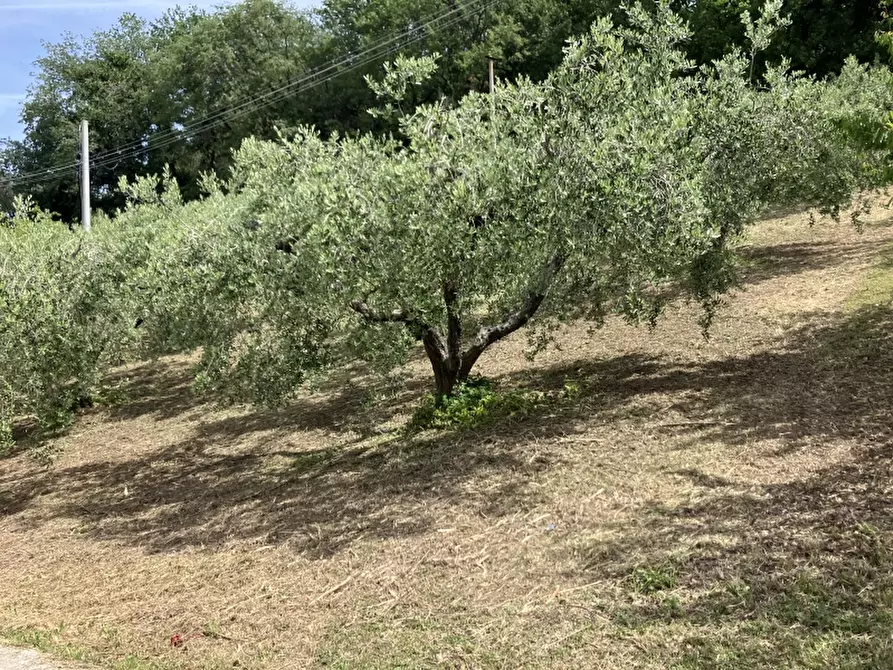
{"x":145,"y":86}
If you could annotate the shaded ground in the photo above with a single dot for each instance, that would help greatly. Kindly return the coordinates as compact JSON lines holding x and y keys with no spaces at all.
{"x":697,"y":504}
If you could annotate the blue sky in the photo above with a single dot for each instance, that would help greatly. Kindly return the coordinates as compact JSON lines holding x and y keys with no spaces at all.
{"x":25,"y":24}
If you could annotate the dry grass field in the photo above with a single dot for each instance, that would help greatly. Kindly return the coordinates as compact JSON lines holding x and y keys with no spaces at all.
{"x":691,"y":504}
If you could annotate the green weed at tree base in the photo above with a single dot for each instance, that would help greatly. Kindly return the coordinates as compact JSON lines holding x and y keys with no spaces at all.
{"x":472,"y":404}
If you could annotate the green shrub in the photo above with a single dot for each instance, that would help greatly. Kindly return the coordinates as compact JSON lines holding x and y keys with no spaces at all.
{"x":474,"y":403}
{"x":68,"y":309}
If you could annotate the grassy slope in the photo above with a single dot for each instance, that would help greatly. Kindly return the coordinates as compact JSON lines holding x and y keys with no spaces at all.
{"x":718,"y":504}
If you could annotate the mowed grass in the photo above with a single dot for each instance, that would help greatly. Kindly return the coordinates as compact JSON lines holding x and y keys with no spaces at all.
{"x":693,"y":504}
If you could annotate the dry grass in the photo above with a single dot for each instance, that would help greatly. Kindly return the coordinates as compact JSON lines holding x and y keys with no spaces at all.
{"x":699,"y":504}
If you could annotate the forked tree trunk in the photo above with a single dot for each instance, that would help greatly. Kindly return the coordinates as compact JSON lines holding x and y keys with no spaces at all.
{"x":449,"y":371}
{"x":451,"y":362}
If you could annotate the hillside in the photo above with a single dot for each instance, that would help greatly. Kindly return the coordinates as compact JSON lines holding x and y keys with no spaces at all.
{"x":689,"y":504}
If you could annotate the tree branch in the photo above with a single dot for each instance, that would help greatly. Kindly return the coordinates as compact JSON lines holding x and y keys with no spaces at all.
{"x":419,"y":328}
{"x":492,"y":334}
{"x":397,"y":315}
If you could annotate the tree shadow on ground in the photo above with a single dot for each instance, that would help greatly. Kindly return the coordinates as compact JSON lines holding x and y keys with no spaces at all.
{"x":348,"y":399}
{"x":765,"y":262}
{"x":316,"y":501}
{"x":796,"y":574}
{"x":825,"y":382}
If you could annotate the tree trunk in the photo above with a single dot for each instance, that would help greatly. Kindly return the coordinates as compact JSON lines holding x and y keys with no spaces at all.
{"x":445,"y":380}
{"x":451,"y":363}
{"x":449,"y":373}
{"x":446,"y":372}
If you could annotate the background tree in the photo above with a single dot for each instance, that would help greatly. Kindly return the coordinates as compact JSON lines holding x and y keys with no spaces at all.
{"x":526,"y":36}
{"x":106,"y":79}
{"x":143,"y":85}
{"x":821,"y":35}
{"x":219,"y":61}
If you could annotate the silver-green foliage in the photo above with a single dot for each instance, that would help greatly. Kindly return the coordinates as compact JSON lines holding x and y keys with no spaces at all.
{"x":65,"y":313}
{"x":627,"y":177}
{"x":624,"y":178}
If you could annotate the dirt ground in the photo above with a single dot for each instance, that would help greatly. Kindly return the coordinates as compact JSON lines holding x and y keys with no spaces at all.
{"x":25,"y":659}
{"x":721,"y":503}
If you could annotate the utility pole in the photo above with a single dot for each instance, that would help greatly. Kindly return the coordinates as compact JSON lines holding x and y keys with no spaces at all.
{"x":493,"y":99}
{"x":85,"y":176}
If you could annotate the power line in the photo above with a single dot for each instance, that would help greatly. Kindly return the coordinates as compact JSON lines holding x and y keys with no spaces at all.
{"x":381,"y":49}
{"x":368,"y":55}
{"x":252,"y":105}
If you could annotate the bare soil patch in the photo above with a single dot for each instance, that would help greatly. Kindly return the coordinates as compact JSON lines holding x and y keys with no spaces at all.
{"x":12,"y":658}
{"x":720,"y":503}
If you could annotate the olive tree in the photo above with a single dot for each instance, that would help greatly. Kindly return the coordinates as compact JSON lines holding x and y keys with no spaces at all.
{"x":67,"y":310}
{"x":625,"y":178}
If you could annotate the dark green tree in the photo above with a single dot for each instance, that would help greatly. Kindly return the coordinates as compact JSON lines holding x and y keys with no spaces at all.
{"x":107,"y":80}
{"x":218,"y":61}
{"x":144,"y":87}
{"x":822,"y":33}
